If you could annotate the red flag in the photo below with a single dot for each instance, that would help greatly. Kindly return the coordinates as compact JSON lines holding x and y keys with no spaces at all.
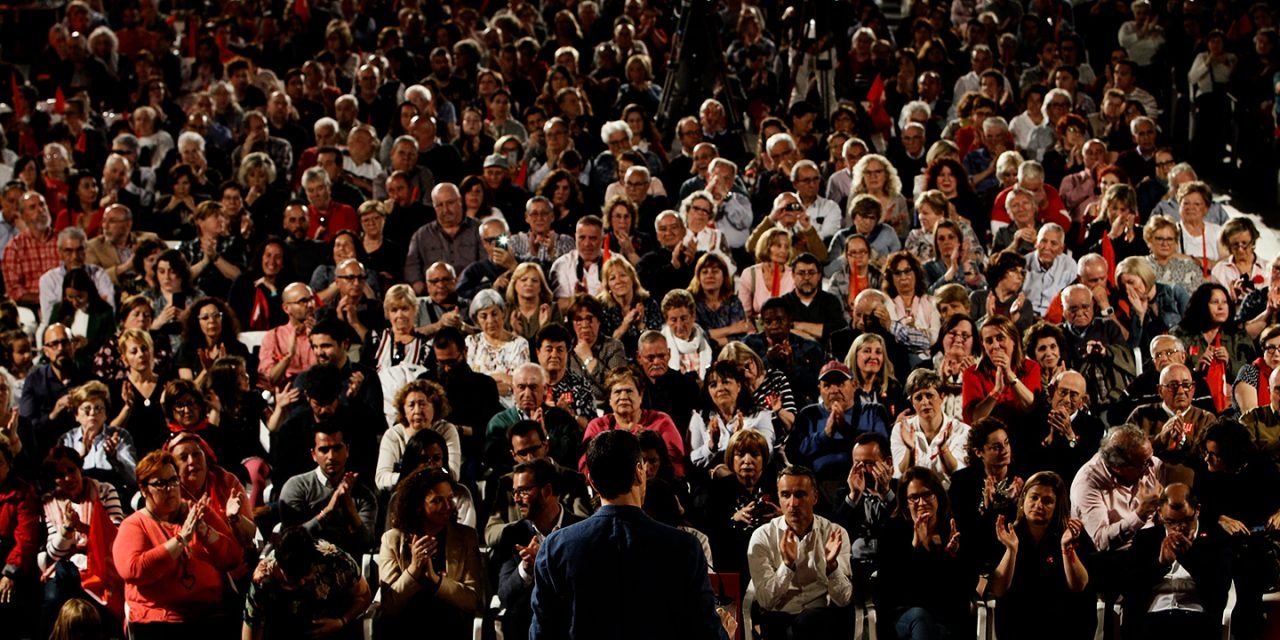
{"x":99,"y":576}
{"x":302,"y":9}
{"x":193,"y":33}
{"x":59,"y":101}
{"x":19,"y":108}
{"x":875,"y":99}
{"x":606,"y":247}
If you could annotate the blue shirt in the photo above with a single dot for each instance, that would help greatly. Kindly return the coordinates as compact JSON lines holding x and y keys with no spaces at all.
{"x":1041,"y":285}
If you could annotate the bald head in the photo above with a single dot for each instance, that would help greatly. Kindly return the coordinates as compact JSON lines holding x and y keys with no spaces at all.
{"x":1177,"y":388}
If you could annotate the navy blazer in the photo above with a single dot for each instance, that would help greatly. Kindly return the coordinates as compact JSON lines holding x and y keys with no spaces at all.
{"x":512,"y":591}
{"x":621,"y":574}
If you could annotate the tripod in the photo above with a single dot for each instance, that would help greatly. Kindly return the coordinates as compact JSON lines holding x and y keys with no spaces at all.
{"x":696,"y":69}
{"x":813,"y":54}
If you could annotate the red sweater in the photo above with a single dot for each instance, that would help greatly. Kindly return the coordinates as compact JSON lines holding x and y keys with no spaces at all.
{"x":336,"y":218}
{"x":978,"y":384}
{"x":649,"y":421}
{"x":161,"y":588}
{"x":1052,"y":211}
{"x":19,"y":524}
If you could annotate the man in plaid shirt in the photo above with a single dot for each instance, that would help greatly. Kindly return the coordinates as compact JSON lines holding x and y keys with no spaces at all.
{"x":30,"y":253}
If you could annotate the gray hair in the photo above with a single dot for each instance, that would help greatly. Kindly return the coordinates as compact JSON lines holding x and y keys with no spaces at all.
{"x":722,"y":162}
{"x":1181,"y":168}
{"x":406,"y":139}
{"x":778,"y":138}
{"x":1176,"y":341}
{"x":486,"y":299}
{"x":1120,"y":444}
{"x":639,"y":168}
{"x":700,"y":194}
{"x":651,"y":336}
{"x":803,"y":164}
{"x":192,"y":137}
{"x":325,"y":123}
{"x":1138,"y":121}
{"x":995,"y":123}
{"x":530,"y":367}
{"x":1050,"y":227}
{"x":1030,"y":170}
{"x":498,"y":221}
{"x":614,"y":127}
{"x":253,"y":161}
{"x":315,"y":174}
{"x":72,"y":233}
{"x":528,"y":205}
{"x":667,"y":214}
{"x":911,"y":108}
{"x":1048,"y":97}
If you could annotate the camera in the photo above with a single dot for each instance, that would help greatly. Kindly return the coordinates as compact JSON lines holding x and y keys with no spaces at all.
{"x":502,"y":242}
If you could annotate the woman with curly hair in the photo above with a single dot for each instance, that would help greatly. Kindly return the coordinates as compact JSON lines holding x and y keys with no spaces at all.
{"x":875,"y":175}
{"x":209,"y":331}
{"x":629,"y":310}
{"x":565,"y":195}
{"x":429,"y":564}
{"x":948,"y":176}
{"x":420,"y":405}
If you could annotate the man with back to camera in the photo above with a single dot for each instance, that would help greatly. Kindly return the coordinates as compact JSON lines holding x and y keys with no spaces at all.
{"x":664,"y":568}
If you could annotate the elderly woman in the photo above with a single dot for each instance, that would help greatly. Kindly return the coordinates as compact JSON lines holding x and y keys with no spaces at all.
{"x":919,"y":321}
{"x":324,"y":280}
{"x":1003,"y":382}
{"x":876,"y":176}
{"x":1252,"y":388}
{"x":429,"y":565}
{"x":854,"y":271}
{"x":420,"y":405}
{"x":719,"y":311}
{"x":1004,"y":297}
{"x":1172,"y":267}
{"x":173,"y":292}
{"x":729,"y":409}
{"x":1154,"y":307}
{"x":384,"y":256}
{"x":735,"y":504}
{"x":400,"y":343}
{"x":186,"y":409}
{"x":495,"y":351}
{"x":1244,"y":271}
{"x":922,"y":541}
{"x":699,"y":210}
{"x":690,"y":348}
{"x":1216,"y":343}
{"x":1047,"y":345}
{"x":530,"y":300}
{"x":955,"y":350}
{"x":594,"y":355}
{"x":216,"y":256}
{"x":1199,"y":238}
{"x":262,"y":197}
{"x":107,"y":450}
{"x":202,"y":478}
{"x":1034,"y":599}
{"x":932,"y":207}
{"x":622,"y":233}
{"x":79,"y":512}
{"x":173,"y":556}
{"x":955,"y":260}
{"x":20,"y":540}
{"x":1114,"y":232}
{"x":140,"y":391}
{"x":209,"y":331}
{"x":770,"y":277}
{"x":626,"y":388}
{"x":929,"y":438}
{"x":770,"y":388}
{"x":629,"y":310}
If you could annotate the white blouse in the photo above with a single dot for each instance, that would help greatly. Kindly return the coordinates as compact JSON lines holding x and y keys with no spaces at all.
{"x":953,"y":437}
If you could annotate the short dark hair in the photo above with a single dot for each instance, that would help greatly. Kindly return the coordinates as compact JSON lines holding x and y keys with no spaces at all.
{"x":552,"y":333}
{"x":450,"y":337}
{"x":523,"y":428}
{"x":878,"y":439}
{"x":1002,"y":263}
{"x":775,"y":303}
{"x":334,"y":328}
{"x":415,"y":450}
{"x":295,"y":552}
{"x":795,"y":470}
{"x":806,"y":258}
{"x":323,"y":383}
{"x":612,"y":457}
{"x":543,"y":470}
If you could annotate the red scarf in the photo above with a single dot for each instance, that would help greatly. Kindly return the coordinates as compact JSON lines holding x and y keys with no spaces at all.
{"x":260,"y":315}
{"x":775,"y":286}
{"x":99,"y":576}
{"x":1216,"y":377}
{"x":1264,"y":382}
{"x":199,"y":428}
{"x":854,"y":287}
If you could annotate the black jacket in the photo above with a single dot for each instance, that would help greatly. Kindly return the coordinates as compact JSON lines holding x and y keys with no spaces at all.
{"x":1208,"y":561}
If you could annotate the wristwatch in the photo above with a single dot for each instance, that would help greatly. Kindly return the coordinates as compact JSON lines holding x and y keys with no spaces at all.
{"x":1107,"y":312}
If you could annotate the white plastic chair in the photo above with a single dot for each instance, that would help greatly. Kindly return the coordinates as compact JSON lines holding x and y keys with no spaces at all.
{"x":748,"y":601}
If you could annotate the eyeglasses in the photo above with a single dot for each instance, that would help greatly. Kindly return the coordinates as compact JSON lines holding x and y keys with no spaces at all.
{"x":305,"y":300}
{"x":959,"y":335}
{"x":806,"y":180}
{"x":216,"y":315}
{"x":1176,"y":386}
{"x":353,"y":276}
{"x":524,"y":492}
{"x":637,"y":184}
{"x":92,"y":409}
{"x":1168,"y":353}
{"x":490,"y":239}
{"x":164,"y":485}
{"x":1163,"y":239}
{"x":1240,"y":245}
{"x":73,"y":250}
{"x":1271,"y":348}
{"x":920,"y":498}
{"x":444,"y":280}
{"x":57,"y":344}
{"x":702,"y":210}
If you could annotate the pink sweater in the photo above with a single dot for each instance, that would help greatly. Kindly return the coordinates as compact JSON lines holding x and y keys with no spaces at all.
{"x":649,"y":421}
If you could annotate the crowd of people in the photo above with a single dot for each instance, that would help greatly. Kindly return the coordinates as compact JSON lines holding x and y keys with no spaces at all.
{"x":322,"y":318}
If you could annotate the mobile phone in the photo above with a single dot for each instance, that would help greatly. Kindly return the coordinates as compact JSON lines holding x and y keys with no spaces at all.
{"x":180,"y":300}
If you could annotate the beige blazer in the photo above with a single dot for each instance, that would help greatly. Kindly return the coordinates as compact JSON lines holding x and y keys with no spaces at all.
{"x":461,"y":587}
{"x":101,"y":252}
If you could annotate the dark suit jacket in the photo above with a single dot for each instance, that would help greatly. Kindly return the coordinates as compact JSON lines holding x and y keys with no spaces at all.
{"x":512,"y":591}
{"x":1208,"y":561}
{"x":579,"y":590}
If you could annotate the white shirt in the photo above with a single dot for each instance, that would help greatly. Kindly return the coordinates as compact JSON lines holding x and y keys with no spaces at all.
{"x":953,"y":436}
{"x":827,"y":218}
{"x":706,"y":455}
{"x":564,"y":273}
{"x":525,"y":576}
{"x":51,"y":287}
{"x":1204,"y":246}
{"x":1108,"y":508}
{"x":1176,"y":591}
{"x":808,"y":585}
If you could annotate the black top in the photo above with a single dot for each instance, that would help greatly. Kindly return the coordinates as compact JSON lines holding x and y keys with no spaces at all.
{"x":1038,"y":603}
